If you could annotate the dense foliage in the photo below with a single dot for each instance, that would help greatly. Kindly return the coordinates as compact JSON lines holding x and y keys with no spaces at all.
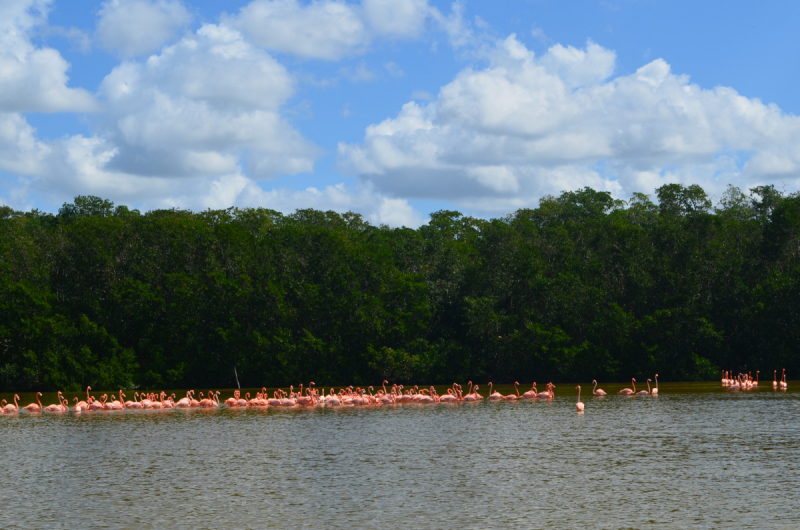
{"x":583,"y":287}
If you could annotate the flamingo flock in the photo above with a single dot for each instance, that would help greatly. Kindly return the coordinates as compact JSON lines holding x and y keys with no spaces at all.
{"x":347,"y":396}
{"x":744,"y":382}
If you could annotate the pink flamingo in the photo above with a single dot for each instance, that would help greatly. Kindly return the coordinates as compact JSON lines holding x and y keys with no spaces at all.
{"x":735,"y":386}
{"x":512,"y":397}
{"x":783,"y":384}
{"x":644,"y":392}
{"x":449,"y":397}
{"x":10,"y":409}
{"x":131,"y":404}
{"x":774,"y":379}
{"x":579,"y":405}
{"x":547,"y":394}
{"x":473,"y":395}
{"x":54,"y":407}
{"x":494,"y":396}
{"x":77,"y":407}
{"x":530,"y":394}
{"x":628,"y":391}
{"x":597,"y":391}
{"x":755,"y":383}
{"x":33,"y":407}
{"x":655,"y":390}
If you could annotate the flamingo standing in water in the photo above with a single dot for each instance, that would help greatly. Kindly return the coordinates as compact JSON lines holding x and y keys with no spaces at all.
{"x":473,"y":395}
{"x":628,"y":391}
{"x":655,"y":390}
{"x":774,"y":379}
{"x":56,"y":408}
{"x":10,"y":409}
{"x":530,"y":394}
{"x":494,"y":396}
{"x":547,"y":394}
{"x":33,"y":407}
{"x":735,"y":386}
{"x":579,"y":405}
{"x":597,"y":391}
{"x":644,"y":392}
{"x":512,"y":397}
{"x":755,"y":383}
{"x":783,"y":383}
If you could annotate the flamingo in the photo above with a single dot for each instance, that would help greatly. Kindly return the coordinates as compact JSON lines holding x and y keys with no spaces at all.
{"x":774,"y":379}
{"x":655,"y":390}
{"x":494,"y":396}
{"x":755,"y":383}
{"x":131,"y":404}
{"x":85,"y":404}
{"x":547,"y":394}
{"x":54,"y":407}
{"x":472,"y":396}
{"x":512,"y":397}
{"x":628,"y":391}
{"x":596,"y":391}
{"x":10,"y":409}
{"x":530,"y":394}
{"x":33,"y":407}
{"x":783,"y":383}
{"x":77,"y":407}
{"x":579,"y":405}
{"x":644,"y":392}
{"x":735,"y":386}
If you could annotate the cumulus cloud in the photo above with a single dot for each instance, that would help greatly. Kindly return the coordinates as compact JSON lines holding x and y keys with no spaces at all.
{"x":330,"y":29}
{"x":33,"y":78}
{"x":499,"y":137}
{"x":131,"y":28}
{"x":204,"y":106}
{"x":204,"y":109}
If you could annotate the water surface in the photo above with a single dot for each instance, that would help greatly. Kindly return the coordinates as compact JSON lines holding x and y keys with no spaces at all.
{"x":695,"y":456}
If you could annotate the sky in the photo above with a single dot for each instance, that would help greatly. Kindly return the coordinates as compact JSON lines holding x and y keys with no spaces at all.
{"x":392,"y":108}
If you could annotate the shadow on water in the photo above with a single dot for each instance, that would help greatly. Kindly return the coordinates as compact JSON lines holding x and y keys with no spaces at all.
{"x":696,"y":456}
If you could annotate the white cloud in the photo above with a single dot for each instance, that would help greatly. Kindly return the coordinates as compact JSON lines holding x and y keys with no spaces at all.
{"x":204,"y":106}
{"x":375,"y":207}
{"x":320,"y":30}
{"x":396,"y":18}
{"x":179,"y":125}
{"x":133,"y":28}
{"x":329,"y":29}
{"x":500,"y":137}
{"x":33,"y":79}
{"x":20,"y":151}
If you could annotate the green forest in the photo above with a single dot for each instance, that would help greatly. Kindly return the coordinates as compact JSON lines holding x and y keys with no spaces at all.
{"x":583,"y":287}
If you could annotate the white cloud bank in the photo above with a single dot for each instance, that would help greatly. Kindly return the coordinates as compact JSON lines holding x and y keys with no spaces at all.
{"x":331,"y":29}
{"x":132,"y":28}
{"x":497,"y":138}
{"x":196,"y":125}
{"x":33,"y":78}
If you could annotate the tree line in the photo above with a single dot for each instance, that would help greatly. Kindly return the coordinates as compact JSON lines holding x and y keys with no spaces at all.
{"x":583,"y":287}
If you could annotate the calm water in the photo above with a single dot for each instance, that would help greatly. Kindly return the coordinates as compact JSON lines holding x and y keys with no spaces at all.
{"x":695,"y":456}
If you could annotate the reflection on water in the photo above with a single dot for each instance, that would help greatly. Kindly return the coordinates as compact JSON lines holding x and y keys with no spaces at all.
{"x":695,"y":456}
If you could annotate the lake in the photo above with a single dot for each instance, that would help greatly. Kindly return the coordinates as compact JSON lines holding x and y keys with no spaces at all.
{"x":694,"y":456}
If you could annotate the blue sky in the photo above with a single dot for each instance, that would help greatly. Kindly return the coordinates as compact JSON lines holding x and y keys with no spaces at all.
{"x":391,"y":108}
